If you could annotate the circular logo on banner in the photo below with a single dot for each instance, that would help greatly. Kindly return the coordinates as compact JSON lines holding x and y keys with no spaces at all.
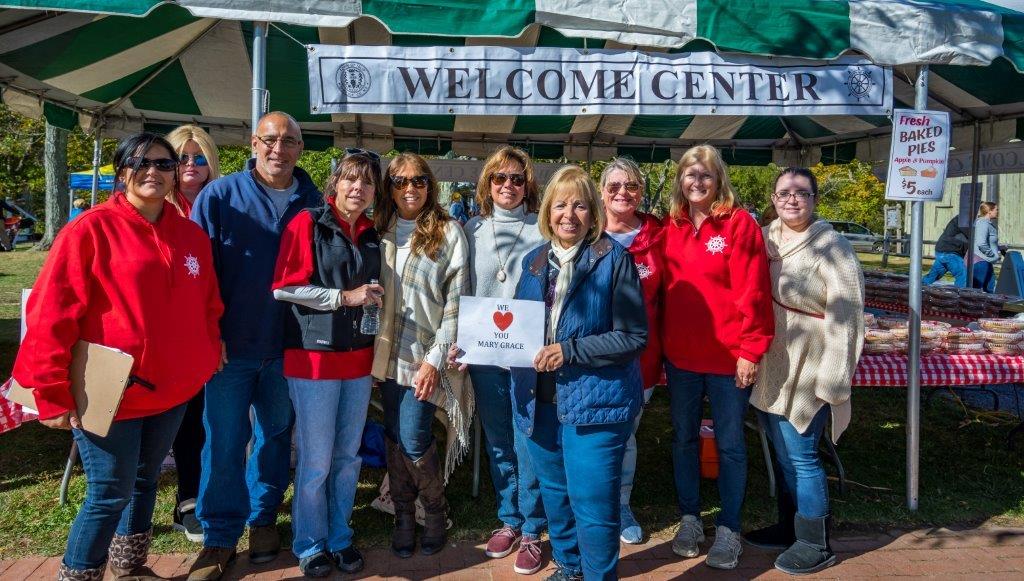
{"x":353,"y":79}
{"x":859,"y":82}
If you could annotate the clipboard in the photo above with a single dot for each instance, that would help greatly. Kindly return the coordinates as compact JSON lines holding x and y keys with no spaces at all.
{"x":99,"y":375}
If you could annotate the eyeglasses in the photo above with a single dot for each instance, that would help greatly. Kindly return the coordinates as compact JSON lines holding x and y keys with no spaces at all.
{"x":198,"y":159}
{"x":418,"y":182}
{"x":800,"y":195}
{"x":517,"y":179}
{"x":144,"y":163}
{"x":373,"y":155}
{"x":631,"y":187}
{"x":287,"y":142}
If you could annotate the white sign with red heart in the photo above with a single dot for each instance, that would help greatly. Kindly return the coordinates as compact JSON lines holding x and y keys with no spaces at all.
{"x":502,"y":332}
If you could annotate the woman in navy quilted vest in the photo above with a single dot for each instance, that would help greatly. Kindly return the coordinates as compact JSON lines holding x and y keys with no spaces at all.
{"x":576,"y":407}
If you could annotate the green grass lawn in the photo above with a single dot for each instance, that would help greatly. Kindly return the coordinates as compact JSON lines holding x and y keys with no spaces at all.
{"x":968,"y":475}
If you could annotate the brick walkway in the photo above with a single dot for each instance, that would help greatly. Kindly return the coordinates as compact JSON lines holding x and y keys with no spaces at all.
{"x":997,"y":553}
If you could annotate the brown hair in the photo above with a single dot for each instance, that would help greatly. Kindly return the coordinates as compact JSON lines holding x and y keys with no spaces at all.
{"x":502,"y":156}
{"x":432,"y":219}
{"x":568,"y":181}
{"x":356,"y":165}
{"x":985,"y":208}
{"x":710,"y":158}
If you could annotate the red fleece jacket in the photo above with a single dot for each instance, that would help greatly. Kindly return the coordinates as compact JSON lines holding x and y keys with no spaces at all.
{"x":115,"y":279}
{"x":647,"y":255}
{"x":717,"y":300}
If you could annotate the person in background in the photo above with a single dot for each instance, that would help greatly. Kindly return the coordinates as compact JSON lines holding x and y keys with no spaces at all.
{"x":504,"y":232}
{"x":77,"y":207}
{"x":327,"y":271}
{"x":950,"y":250}
{"x":200,"y":164}
{"x":197,"y":166}
{"x":986,"y":247}
{"x":622,"y":189}
{"x":424,"y":272}
{"x":578,"y":405}
{"x":457,"y":210}
{"x":135,"y":276}
{"x":804,"y":381}
{"x":244,"y":214}
{"x":717,"y":298}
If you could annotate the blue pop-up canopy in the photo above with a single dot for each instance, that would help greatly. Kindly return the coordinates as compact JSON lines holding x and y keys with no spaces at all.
{"x":82,"y":180}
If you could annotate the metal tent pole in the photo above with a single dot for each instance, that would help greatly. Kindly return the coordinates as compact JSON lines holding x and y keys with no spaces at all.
{"x":975,"y":199}
{"x":97,"y":153}
{"x":259,"y":72}
{"x":914,"y":303}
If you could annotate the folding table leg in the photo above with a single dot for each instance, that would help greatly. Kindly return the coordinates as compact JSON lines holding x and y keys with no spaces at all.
{"x":68,"y":467}
{"x":766,"y":450}
{"x":476,"y":456}
{"x":834,"y":456}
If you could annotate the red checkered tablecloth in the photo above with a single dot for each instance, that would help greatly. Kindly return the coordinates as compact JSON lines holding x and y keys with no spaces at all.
{"x":11,"y":415}
{"x":940,"y":370}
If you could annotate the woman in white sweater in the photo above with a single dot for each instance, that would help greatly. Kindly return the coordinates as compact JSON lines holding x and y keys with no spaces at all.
{"x":818,"y":291}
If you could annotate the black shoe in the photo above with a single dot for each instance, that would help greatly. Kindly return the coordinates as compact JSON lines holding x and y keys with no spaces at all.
{"x":348,"y":560}
{"x":561,"y":575}
{"x":185,"y":521}
{"x":319,"y":565}
{"x":811,"y":552}
{"x":777,"y":537}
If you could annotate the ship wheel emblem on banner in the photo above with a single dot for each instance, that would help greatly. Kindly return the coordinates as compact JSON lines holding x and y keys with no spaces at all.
{"x":859,"y":82}
{"x":353,"y":79}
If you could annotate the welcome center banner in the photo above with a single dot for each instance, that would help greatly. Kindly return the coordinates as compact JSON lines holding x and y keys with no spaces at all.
{"x":485,"y":80}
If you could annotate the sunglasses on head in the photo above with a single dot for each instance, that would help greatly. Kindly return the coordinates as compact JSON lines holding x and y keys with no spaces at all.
{"x":418,"y":182}
{"x":143,"y":163}
{"x":499,"y":178}
{"x":373,"y":155}
{"x":198,"y":159}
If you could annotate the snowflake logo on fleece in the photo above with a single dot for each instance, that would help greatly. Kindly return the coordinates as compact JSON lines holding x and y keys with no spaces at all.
{"x":643,"y":270}
{"x":192,"y":265}
{"x":716,"y":245}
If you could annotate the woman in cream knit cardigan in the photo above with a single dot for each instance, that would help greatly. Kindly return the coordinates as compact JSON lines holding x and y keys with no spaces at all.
{"x":818,"y":294}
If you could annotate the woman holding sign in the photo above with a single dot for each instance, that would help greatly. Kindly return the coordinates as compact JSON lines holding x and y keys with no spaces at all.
{"x":577,"y":406}
{"x":327,"y":269}
{"x":499,"y":238}
{"x":622,"y":189}
{"x":717,"y":295}
{"x":424,"y":272}
{"x":133,"y":275}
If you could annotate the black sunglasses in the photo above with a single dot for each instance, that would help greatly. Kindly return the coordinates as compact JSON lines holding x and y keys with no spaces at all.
{"x":418,"y":182}
{"x":499,"y":178}
{"x":373,"y":155}
{"x":142,"y":163}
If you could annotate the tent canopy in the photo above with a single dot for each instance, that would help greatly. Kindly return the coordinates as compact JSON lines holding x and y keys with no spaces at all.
{"x":154,"y":64}
{"x":82,"y":180}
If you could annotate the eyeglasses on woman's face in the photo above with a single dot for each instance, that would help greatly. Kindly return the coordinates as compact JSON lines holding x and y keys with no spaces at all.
{"x":418,"y":182}
{"x":516,"y":179}
{"x":798,"y":195}
{"x":144,"y":163}
{"x":198,"y":159}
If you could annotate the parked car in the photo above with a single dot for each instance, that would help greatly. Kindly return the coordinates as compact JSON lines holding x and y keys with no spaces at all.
{"x":862,"y":239}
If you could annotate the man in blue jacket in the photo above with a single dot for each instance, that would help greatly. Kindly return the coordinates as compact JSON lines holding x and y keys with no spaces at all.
{"x":244,"y":214}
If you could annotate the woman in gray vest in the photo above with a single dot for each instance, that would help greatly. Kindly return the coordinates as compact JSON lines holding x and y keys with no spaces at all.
{"x":328,"y":269}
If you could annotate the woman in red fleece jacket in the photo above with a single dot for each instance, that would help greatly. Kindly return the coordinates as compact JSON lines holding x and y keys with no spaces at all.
{"x":718,"y":323}
{"x":134,"y":275}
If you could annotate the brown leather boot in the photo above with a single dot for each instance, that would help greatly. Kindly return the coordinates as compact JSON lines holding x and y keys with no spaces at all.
{"x":403,"y":496}
{"x":427,"y":473}
{"x":127,"y":557}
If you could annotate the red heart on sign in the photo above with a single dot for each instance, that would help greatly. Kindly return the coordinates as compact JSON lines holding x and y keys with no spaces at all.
{"x":502,"y":320}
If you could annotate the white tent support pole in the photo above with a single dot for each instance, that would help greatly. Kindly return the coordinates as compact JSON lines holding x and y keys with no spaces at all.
{"x":97,"y":152}
{"x":259,"y":72}
{"x":914,"y":302}
{"x":975,"y":199}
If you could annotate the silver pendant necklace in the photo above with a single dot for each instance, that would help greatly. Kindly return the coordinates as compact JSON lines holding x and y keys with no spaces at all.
{"x":501,"y":275}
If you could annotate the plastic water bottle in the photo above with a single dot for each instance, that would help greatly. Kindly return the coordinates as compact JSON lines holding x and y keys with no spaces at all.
{"x":370,"y":323}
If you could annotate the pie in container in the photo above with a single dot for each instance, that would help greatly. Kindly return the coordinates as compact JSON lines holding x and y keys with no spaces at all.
{"x":892,"y":322}
{"x":994,"y":338}
{"x":878,"y":348}
{"x":964,"y":348}
{"x":1005,"y":349}
{"x":1002,"y":325}
{"x":876,"y":336}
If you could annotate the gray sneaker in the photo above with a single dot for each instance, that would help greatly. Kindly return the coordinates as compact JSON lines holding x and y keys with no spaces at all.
{"x":689,"y":537}
{"x":725,"y":552}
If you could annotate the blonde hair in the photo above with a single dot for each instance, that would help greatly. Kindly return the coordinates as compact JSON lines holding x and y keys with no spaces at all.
{"x":181,"y":136}
{"x":571,"y":181}
{"x":710,"y":158}
{"x":626,"y":166}
{"x":504,"y":155}
{"x":985,"y":208}
{"x":432,"y":219}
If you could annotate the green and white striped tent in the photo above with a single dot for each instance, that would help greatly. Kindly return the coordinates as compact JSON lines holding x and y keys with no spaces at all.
{"x":152,"y":63}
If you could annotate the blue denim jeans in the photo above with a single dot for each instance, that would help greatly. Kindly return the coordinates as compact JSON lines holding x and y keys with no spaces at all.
{"x":984,"y":276}
{"x":121,"y":473}
{"x":234,"y":491}
{"x":629,"y":458}
{"x":797,"y":456}
{"x":580,"y":471}
{"x":948,"y":262}
{"x":329,"y":420}
{"x":407,"y":420}
{"x":728,"y":407}
{"x":515,"y":484}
